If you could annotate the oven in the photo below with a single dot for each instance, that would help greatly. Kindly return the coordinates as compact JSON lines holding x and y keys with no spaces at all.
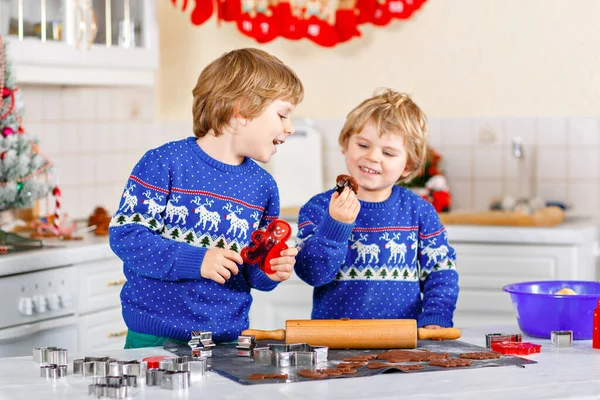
{"x":38,"y":310}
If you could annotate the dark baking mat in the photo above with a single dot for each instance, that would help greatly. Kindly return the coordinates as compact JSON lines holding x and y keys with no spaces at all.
{"x":227,"y":363}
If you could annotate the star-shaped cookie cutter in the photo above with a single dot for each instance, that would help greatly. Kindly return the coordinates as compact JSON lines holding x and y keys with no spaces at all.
{"x":286,"y":355}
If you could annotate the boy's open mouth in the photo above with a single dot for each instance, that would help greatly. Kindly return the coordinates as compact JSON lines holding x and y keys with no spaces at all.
{"x":369,"y":170}
{"x":276,"y":142}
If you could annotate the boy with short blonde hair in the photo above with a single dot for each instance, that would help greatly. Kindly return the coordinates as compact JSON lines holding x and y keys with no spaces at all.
{"x":381,"y":252}
{"x":190,"y":206}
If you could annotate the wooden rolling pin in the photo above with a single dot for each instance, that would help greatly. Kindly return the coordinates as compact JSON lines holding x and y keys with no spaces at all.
{"x":355,"y":333}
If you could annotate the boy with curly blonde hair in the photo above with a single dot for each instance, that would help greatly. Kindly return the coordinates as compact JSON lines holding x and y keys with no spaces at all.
{"x":382,"y":252}
{"x":191,"y":205}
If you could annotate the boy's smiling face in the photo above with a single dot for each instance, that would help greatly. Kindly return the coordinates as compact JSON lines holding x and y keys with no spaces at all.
{"x":376,"y":162}
{"x":260,"y":136}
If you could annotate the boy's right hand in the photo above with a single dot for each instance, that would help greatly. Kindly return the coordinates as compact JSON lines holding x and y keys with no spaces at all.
{"x":344,"y":207}
{"x":219,"y":264}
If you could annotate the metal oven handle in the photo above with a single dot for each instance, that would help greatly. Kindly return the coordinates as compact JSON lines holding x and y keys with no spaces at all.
{"x":29,"y":329}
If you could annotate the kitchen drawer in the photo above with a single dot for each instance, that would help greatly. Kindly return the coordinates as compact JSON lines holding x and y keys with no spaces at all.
{"x":100,"y":284}
{"x":104,"y":330}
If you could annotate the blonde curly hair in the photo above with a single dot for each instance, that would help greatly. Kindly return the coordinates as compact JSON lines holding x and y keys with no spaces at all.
{"x":393,"y":113}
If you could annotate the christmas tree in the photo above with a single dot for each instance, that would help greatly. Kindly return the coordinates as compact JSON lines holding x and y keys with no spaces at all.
{"x":24,"y":172}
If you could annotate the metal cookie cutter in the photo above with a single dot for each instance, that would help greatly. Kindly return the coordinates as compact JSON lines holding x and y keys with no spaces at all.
{"x":53,"y":371}
{"x":94,"y":366}
{"x":285,"y":355}
{"x":175,"y":380}
{"x":196,"y":366}
{"x":501,"y":337}
{"x":201,"y":343}
{"x":246,"y":345}
{"x":561,"y":338}
{"x":50,"y":355}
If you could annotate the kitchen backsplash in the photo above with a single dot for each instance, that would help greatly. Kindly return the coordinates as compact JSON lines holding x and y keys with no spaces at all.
{"x":96,"y":135}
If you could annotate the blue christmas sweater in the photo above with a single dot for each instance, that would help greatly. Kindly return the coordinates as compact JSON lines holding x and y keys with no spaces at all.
{"x":393,"y":262}
{"x":177,"y":204}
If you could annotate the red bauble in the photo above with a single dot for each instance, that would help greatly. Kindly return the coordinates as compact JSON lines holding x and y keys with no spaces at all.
{"x":3,"y":155}
{"x":6,"y":92}
{"x":7,"y":131}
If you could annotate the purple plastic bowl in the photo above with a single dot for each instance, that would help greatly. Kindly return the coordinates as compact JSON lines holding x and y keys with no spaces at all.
{"x":540,"y":311}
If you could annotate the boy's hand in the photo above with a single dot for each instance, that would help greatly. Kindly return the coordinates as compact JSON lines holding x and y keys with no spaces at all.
{"x":219,"y":264}
{"x":432,"y":327}
{"x":344,"y":207}
{"x":284,"y":265}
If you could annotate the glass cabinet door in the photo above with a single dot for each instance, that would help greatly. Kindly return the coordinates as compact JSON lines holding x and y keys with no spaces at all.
{"x":121,"y":23}
{"x":43,"y":20}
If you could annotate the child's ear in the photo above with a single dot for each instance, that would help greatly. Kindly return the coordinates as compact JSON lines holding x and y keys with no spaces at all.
{"x":239,"y":118}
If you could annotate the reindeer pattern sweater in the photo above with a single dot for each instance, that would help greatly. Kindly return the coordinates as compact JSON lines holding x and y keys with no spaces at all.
{"x":393,"y":262}
{"x":178,"y":203}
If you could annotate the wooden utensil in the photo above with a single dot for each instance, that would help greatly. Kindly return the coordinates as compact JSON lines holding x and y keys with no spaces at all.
{"x":355,"y":333}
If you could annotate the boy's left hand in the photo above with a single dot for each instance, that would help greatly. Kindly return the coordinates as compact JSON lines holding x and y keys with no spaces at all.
{"x":283,"y":265}
{"x":432,"y":327}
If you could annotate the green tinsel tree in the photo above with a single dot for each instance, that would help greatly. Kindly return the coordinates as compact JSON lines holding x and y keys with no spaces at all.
{"x":23,"y":170}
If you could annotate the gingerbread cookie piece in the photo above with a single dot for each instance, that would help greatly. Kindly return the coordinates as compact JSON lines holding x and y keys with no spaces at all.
{"x":409,"y":367}
{"x":260,"y":377}
{"x":321,"y":373}
{"x":364,"y":358}
{"x":450,"y":362}
{"x":379,"y":365}
{"x":345,"y":180}
{"x":346,"y":370}
{"x":398,"y":356}
{"x":480,"y":355}
{"x":355,"y":364}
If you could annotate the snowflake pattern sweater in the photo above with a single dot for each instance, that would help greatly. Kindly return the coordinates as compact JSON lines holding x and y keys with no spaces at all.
{"x":177,"y":204}
{"x":393,"y":262}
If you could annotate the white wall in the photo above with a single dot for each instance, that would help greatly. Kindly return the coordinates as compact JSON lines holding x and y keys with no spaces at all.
{"x":458,"y":58}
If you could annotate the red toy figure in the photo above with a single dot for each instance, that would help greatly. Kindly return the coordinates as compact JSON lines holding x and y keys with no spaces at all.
{"x":267,"y":245}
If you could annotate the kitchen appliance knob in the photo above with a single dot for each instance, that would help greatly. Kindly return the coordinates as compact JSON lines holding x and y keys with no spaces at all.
{"x":53,"y":301}
{"x":26,"y":306}
{"x":39,"y":304}
{"x":66,"y":300}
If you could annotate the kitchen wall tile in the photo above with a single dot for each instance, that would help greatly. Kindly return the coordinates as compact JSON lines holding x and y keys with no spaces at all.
{"x":52,"y":104}
{"x":583,"y":196}
{"x":458,"y":161}
{"x":462,"y":193}
{"x":523,"y":128}
{"x":50,"y":139}
{"x":33,"y":103}
{"x":457,"y":132}
{"x":551,"y":163}
{"x":88,"y":138}
{"x":69,"y":135}
{"x":583,"y":132}
{"x":87,"y":103}
{"x":583,"y":164}
{"x":105,"y":104}
{"x":485,"y":191}
{"x":552,"y":190}
{"x":70,"y":103}
{"x":488,"y":132}
{"x":489,"y":163}
{"x":551,"y":131}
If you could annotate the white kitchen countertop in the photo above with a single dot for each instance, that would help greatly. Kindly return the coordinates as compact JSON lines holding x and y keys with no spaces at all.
{"x":575,"y":230}
{"x":571,"y":373}
{"x":58,"y":253}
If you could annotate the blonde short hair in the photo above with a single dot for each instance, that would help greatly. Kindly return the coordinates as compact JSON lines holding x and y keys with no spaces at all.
{"x":243,"y":81}
{"x":392,"y":113}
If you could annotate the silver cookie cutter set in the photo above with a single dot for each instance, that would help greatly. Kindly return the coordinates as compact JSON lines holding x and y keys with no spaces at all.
{"x":201,"y":343}
{"x":196,"y":366}
{"x":172,"y":380}
{"x":286,"y":355}
{"x":50,"y":355}
{"x":106,"y":366}
{"x":53,"y":371}
{"x":114,"y":387}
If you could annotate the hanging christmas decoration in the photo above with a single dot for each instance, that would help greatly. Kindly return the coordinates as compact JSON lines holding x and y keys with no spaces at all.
{"x":22,"y":166}
{"x":324,"y":22}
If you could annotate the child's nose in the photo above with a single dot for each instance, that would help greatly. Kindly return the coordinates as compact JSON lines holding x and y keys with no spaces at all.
{"x":289,"y":128}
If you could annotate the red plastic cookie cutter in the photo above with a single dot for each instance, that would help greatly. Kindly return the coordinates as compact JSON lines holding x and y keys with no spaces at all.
{"x":154,"y":361}
{"x":267,"y":245}
{"x":516,"y":348}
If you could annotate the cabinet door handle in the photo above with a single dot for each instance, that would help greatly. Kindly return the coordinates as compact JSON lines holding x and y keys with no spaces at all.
{"x":117,"y":334}
{"x":116,"y":283}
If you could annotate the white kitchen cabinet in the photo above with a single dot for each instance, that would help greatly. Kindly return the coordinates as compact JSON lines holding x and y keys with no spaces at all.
{"x":82,"y":42}
{"x":490,"y":257}
{"x":100,"y":323}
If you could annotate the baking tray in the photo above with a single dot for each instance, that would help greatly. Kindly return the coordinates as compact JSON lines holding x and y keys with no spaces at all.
{"x":227,"y":363}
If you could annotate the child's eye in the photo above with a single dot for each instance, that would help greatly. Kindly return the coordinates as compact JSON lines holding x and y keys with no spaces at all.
{"x":282,"y":116}
{"x":389,"y":154}
{"x":362,"y":146}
